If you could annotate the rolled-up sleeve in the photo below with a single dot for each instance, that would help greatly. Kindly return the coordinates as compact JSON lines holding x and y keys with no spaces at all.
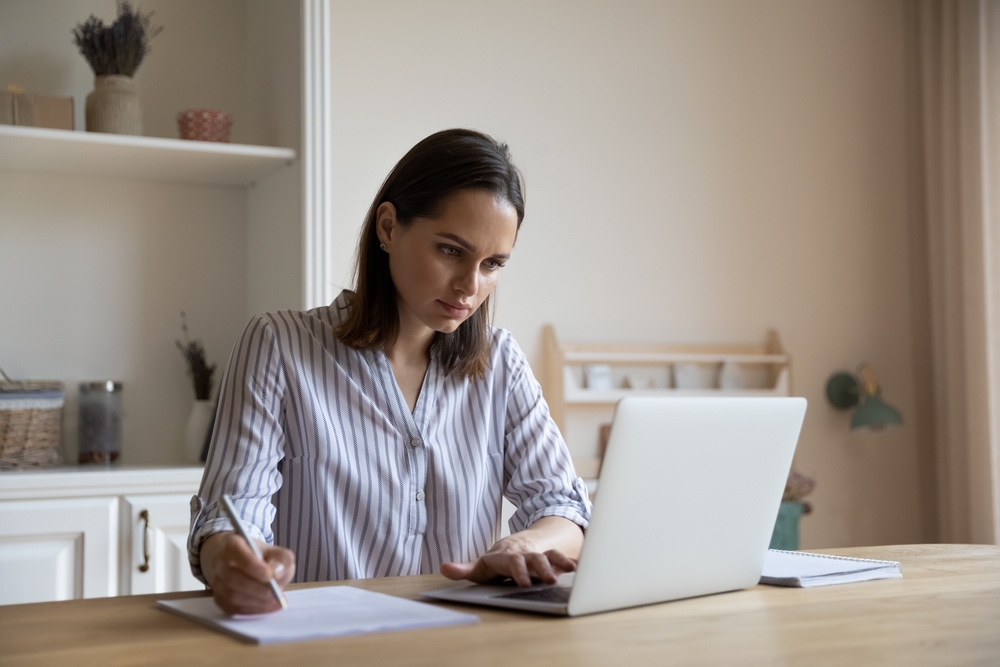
{"x":247,"y":442}
{"x":539,"y":476}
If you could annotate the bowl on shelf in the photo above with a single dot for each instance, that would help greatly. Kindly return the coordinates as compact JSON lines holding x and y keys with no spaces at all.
{"x":205,"y":125}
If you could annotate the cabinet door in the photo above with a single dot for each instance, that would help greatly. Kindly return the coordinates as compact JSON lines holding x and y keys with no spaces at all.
{"x":155,"y":538}
{"x":58,"y":549}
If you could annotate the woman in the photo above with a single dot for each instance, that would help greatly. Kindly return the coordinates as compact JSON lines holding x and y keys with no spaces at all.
{"x":376,"y":436}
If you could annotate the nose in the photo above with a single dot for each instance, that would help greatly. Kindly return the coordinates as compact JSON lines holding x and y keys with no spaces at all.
{"x":467,"y":282}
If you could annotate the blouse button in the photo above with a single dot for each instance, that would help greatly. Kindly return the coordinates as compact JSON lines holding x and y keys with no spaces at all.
{"x":420,"y":495}
{"x":415,"y":442}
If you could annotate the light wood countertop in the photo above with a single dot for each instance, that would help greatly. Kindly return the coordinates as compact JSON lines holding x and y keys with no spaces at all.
{"x":945,"y":610}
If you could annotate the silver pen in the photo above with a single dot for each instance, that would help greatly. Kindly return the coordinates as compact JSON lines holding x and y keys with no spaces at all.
{"x":230,"y":509}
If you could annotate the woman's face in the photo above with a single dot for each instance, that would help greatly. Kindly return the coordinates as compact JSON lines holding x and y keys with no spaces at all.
{"x":445,"y":267}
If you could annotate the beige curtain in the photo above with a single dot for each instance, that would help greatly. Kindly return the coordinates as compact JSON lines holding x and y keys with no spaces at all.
{"x":955,"y":133}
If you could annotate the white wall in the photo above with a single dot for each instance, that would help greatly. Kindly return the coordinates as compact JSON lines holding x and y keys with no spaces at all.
{"x":97,"y":270}
{"x":274,"y":87}
{"x":696,"y":171}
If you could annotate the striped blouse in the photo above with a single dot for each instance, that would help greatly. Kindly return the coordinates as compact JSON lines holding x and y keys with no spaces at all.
{"x":320,"y":453}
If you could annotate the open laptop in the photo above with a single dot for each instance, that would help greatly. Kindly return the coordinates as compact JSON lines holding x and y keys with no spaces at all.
{"x":688,"y":496}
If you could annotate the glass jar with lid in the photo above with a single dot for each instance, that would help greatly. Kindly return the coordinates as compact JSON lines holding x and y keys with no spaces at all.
{"x":100,"y":426}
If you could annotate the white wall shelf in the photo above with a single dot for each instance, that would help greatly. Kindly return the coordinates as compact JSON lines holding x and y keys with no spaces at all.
{"x":597,"y":397}
{"x":640,"y":357}
{"x":153,"y":158}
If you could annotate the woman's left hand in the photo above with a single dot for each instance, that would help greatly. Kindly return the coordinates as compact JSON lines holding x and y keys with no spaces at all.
{"x":520,"y":557}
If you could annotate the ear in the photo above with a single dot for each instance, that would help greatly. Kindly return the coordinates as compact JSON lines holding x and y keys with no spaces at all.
{"x":386,"y":224}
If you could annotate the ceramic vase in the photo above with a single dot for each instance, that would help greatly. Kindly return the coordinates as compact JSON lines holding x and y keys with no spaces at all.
{"x":198,"y":425}
{"x":113,"y":106}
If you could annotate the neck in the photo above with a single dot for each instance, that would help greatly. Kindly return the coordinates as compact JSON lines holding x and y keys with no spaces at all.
{"x":413,"y":344}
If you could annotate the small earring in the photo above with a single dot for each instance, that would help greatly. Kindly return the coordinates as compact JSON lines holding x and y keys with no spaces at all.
{"x":384,"y":249}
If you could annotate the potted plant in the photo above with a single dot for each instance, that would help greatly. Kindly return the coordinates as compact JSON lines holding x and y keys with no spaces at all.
{"x":115,"y":53}
{"x":202,"y":416}
{"x":793,"y":506}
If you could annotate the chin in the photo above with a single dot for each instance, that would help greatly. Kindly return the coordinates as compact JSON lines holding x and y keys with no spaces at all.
{"x":450,"y":326}
{"x":445,"y":325}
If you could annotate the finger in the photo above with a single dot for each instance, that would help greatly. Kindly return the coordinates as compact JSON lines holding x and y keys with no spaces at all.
{"x":490,"y":567}
{"x":560,"y":560}
{"x":241,"y":603}
{"x":236,"y":593}
{"x":538,"y":565}
{"x":517,"y":569}
{"x":457,"y":571}
{"x":239,"y":556}
{"x":237,"y":586}
{"x":282,"y":563}
{"x":479,"y":571}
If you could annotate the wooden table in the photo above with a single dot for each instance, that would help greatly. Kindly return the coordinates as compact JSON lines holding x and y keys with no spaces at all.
{"x":945,"y":610}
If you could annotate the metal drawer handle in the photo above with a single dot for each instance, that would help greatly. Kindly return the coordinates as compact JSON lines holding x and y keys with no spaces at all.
{"x":144,"y":515}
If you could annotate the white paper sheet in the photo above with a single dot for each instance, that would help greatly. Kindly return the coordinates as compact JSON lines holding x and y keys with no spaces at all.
{"x":315,"y":613}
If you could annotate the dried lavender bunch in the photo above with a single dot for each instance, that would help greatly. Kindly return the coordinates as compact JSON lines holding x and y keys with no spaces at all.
{"x":199,"y":370}
{"x":797,"y":487}
{"x":120,"y":47}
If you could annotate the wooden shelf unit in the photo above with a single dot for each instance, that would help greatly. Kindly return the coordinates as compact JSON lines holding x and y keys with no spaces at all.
{"x":561,"y":389}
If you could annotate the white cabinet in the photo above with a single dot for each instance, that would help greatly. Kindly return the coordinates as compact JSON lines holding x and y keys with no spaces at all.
{"x":154,"y":540}
{"x":75,"y":533}
{"x":58,"y":549}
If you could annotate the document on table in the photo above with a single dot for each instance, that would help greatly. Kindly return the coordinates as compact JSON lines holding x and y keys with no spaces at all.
{"x":316,"y":613}
{"x":804,"y":570}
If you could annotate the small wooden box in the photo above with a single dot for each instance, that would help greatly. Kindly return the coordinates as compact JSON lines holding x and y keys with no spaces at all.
{"x":31,"y":110}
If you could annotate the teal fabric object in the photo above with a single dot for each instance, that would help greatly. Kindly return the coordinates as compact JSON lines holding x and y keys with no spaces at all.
{"x":786,"y":528}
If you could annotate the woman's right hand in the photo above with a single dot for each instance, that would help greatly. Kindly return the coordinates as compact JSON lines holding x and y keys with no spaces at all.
{"x":239,"y":580}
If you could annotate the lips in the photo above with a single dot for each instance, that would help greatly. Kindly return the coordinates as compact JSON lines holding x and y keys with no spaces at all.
{"x":455,"y":309}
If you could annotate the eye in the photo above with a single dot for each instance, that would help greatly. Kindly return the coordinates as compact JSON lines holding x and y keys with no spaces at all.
{"x":451,"y":251}
{"x":493,"y":264}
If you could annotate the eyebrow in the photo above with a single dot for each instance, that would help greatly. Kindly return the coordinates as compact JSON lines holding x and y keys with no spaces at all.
{"x":468,"y":246}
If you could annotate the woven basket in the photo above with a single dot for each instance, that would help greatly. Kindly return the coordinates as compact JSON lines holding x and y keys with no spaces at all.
{"x":30,"y":424}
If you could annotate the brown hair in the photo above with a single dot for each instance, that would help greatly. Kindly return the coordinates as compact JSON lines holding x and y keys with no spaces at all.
{"x":438,"y":166}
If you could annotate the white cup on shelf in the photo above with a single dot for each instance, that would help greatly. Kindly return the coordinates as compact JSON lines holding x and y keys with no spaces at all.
{"x":597,"y":377}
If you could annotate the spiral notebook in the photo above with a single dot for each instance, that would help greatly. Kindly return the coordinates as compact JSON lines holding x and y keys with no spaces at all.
{"x":805,"y":570}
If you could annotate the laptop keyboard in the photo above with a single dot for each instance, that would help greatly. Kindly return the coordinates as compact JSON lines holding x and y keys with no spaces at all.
{"x":556,"y":594}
